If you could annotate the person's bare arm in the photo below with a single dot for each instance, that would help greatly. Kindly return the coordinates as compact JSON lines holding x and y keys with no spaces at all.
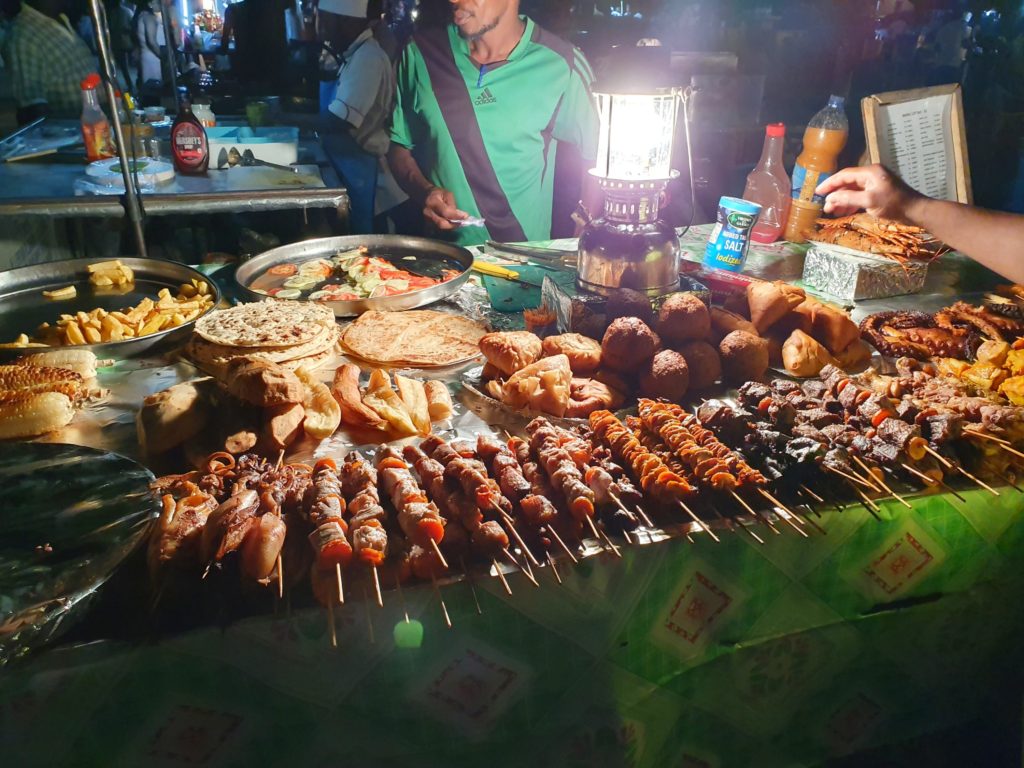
{"x":438,"y":204}
{"x":991,"y":238}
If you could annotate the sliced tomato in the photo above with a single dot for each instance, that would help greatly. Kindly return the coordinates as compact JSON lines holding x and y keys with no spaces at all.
{"x":344,"y":297}
{"x":274,"y":291}
{"x":285,"y":270}
{"x":394,"y":274}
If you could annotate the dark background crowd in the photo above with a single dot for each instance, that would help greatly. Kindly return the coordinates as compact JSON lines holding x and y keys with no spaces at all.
{"x":750,"y":61}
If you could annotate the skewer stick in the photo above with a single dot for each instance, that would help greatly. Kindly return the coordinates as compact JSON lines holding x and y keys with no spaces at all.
{"x":444,"y":608}
{"x":942,"y":459}
{"x":557,"y":538}
{"x":986,"y":436}
{"x":526,"y":573}
{"x":700,"y":523}
{"x":610,"y":543}
{"x":812,"y":494}
{"x":881,"y":482}
{"x":206,"y":571}
{"x":341,"y":586}
{"x":280,"y":459}
{"x":983,"y":484}
{"x":790,"y":518}
{"x":554,"y":568}
{"x":869,"y":505}
{"x":437,"y":551}
{"x":401,"y":598}
{"x":758,"y":515}
{"x":868,"y":475}
{"x":602,"y":537}
{"x":852,"y":478}
{"x":280,"y":577}
{"x":644,"y":517}
{"x":519,"y":539}
{"x":734,"y":522}
{"x":476,"y":601}
{"x":330,"y":624}
{"x":376,"y":586}
{"x":501,"y":576}
{"x":1006,"y":479}
{"x":949,"y":465}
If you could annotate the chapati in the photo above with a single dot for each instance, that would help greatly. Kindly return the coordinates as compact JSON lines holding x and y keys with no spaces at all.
{"x":270,"y":323}
{"x":420,"y":338}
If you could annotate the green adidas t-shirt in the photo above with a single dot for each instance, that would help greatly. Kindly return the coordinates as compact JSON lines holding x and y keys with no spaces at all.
{"x":489,"y":134}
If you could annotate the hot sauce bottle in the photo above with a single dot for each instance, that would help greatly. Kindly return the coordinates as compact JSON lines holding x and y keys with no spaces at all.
{"x":188,"y":140}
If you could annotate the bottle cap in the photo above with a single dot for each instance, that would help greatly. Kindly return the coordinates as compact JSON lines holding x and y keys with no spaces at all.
{"x":836,"y":101}
{"x":90,"y":81}
{"x":775,"y":130}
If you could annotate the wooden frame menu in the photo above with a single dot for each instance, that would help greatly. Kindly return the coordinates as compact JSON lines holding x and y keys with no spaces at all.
{"x":920,"y":135}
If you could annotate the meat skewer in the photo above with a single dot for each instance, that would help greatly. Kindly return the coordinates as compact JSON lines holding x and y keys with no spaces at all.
{"x":325,"y":509}
{"x":366,"y":516}
{"x":418,"y":517}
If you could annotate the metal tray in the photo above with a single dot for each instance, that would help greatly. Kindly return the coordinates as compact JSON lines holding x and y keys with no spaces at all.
{"x":71,"y":515}
{"x":429,"y":257}
{"x":23,"y":308}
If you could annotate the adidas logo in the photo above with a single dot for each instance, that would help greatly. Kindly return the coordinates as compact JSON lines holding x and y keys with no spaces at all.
{"x":486,"y":97}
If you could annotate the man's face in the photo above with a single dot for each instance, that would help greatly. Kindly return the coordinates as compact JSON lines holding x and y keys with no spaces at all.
{"x":475,"y":18}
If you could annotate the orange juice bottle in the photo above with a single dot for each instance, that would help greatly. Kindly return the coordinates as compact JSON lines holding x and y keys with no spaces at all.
{"x":96,"y":134}
{"x":824,"y":139}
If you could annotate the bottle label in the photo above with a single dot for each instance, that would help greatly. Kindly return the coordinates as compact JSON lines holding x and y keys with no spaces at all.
{"x":98,"y":145}
{"x":727,"y":245}
{"x":188,"y":143}
{"x":805,"y":182}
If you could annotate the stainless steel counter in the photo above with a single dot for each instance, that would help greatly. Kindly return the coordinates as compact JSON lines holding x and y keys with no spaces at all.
{"x":45,"y":187}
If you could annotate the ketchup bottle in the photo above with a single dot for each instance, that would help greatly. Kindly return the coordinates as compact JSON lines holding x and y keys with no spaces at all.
{"x":188,"y":140}
{"x":95,"y":127}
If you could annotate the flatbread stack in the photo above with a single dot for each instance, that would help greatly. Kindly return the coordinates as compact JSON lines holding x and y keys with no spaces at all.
{"x":416,"y":338}
{"x":290,"y":333}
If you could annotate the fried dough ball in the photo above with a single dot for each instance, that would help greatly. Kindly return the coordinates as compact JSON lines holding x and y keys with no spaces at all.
{"x":683,"y":317}
{"x":625,"y":302}
{"x":628,"y":344}
{"x":744,"y":357}
{"x":583,"y":352}
{"x":668,"y":376}
{"x":704,"y":363}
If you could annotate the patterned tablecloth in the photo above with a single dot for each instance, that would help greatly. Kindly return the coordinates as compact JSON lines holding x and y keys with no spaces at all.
{"x":698,"y":654}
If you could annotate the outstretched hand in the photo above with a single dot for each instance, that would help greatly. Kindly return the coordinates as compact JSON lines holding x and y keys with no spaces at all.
{"x":871,"y":188}
{"x":440,"y":210}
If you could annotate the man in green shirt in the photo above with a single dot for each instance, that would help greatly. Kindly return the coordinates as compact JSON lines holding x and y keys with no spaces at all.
{"x":479,"y":108}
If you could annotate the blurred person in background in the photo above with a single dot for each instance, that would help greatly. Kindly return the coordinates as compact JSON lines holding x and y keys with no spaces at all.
{"x":47,"y":62}
{"x":149,"y":40}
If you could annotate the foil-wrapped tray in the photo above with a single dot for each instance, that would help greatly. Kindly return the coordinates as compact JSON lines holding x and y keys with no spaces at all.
{"x":855,"y":275}
{"x":418,"y":255}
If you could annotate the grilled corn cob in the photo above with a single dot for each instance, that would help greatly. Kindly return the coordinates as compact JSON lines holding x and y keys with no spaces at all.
{"x":28,"y":379}
{"x":31,"y":414}
{"x":81,"y":361}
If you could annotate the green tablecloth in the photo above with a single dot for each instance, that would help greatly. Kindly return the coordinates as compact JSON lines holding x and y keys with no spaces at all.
{"x":730,"y":654}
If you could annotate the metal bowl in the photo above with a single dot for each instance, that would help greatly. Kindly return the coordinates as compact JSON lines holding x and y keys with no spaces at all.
{"x":23,"y":308}
{"x":415,"y":254}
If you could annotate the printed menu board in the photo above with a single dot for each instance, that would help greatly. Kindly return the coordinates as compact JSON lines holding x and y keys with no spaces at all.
{"x":919,"y":134}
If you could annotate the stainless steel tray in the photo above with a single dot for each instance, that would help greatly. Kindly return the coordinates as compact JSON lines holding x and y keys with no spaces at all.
{"x":23,"y":308}
{"x":428,"y":257}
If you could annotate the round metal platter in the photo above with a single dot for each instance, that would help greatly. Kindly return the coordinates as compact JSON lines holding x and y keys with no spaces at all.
{"x":23,"y":308}
{"x":417,"y":255}
{"x":70,"y":516}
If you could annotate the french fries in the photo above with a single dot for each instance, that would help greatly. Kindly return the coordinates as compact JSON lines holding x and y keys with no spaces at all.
{"x":106,"y":274}
{"x":67,"y":292}
{"x":100,"y":326}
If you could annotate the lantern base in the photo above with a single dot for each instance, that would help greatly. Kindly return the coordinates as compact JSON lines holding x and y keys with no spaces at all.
{"x":614,"y":254}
